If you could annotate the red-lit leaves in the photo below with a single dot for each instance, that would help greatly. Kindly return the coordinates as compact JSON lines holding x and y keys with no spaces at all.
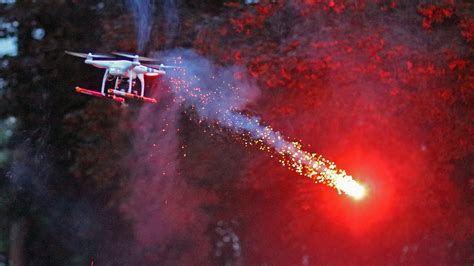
{"x":385,"y":102}
{"x":467,"y":28}
{"x":434,"y":14}
{"x":459,"y":64}
{"x":366,"y":86}
{"x":252,"y":20}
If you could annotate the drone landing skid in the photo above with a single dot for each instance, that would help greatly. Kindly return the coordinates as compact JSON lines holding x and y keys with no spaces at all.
{"x":98,"y":94}
{"x":131,"y":96}
{"x":116,"y":95}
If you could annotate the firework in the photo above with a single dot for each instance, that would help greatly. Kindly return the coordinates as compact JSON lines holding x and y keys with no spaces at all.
{"x":292,"y":155}
{"x":215,"y":100}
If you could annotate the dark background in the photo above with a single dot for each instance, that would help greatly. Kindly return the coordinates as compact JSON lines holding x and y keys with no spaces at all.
{"x":383,"y":88}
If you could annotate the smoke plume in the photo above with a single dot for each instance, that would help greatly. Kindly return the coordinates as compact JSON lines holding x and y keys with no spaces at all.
{"x":142,"y":13}
{"x":172,"y":22}
{"x":164,"y":209}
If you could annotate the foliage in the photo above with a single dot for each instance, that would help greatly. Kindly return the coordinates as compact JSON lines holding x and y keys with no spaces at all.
{"x":381,"y":87}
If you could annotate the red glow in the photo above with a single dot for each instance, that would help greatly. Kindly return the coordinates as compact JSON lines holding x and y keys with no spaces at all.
{"x":387,"y":102}
{"x":376,"y":209}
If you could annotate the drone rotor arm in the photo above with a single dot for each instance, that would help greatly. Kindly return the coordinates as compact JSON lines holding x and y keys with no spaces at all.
{"x":89,"y":55}
{"x":135,"y":57}
{"x":158,"y":67}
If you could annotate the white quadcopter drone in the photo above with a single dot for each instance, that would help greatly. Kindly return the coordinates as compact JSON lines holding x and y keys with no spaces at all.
{"x":120,"y":70}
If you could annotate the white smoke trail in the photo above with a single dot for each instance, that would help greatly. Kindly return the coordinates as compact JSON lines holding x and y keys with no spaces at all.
{"x":170,"y":12}
{"x":142,"y":11}
{"x":217,"y":96}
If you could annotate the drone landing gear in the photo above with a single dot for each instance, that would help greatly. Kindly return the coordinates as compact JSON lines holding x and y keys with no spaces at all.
{"x":123,"y":88}
{"x":100,"y":95}
{"x":131,"y":96}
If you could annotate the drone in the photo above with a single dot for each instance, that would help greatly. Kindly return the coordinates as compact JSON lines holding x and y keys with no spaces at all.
{"x":124,"y":71}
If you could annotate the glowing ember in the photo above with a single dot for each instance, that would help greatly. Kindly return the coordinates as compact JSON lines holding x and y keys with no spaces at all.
{"x":350,"y":187}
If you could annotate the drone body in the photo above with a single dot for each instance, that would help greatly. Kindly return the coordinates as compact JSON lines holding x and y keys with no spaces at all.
{"x":120,"y":70}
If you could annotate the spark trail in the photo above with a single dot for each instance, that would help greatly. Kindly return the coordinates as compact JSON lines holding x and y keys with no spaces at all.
{"x":209,"y":90}
{"x":308,"y":164}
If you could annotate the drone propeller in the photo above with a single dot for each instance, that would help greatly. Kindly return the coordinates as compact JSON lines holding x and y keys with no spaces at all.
{"x":140,"y":58}
{"x":162,"y":66}
{"x":83,"y":55}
